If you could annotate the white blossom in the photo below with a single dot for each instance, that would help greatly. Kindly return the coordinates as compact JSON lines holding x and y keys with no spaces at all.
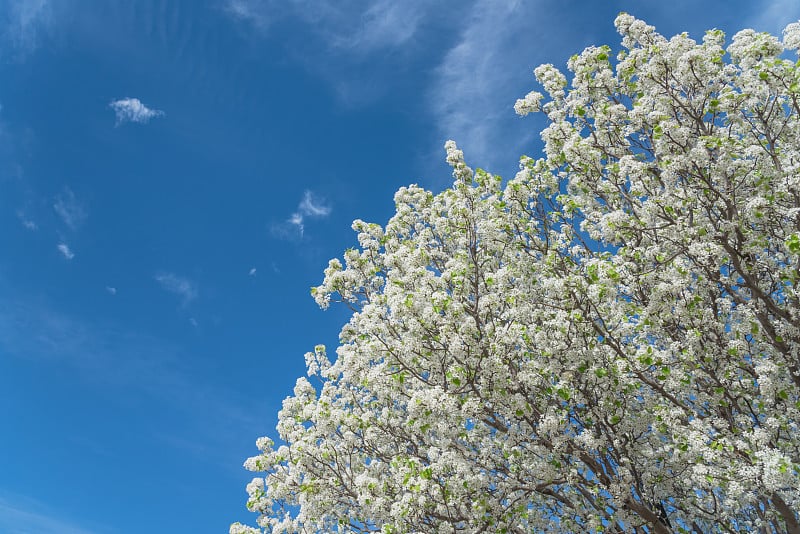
{"x":529,"y":104}
{"x":791,"y":36}
{"x":610,"y":339}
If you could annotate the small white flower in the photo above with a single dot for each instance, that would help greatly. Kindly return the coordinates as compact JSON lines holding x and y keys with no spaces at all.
{"x":530,"y":104}
{"x":791,"y":36}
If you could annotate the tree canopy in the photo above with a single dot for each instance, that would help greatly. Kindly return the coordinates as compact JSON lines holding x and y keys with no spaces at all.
{"x":606,"y":342}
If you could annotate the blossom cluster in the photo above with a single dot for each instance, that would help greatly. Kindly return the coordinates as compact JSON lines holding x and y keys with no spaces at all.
{"x":608,"y":341}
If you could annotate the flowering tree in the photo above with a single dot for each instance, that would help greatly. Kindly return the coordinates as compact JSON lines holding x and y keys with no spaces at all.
{"x":608,"y":342}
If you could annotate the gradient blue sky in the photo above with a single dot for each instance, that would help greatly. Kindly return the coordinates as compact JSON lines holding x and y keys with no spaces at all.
{"x":174,"y":176}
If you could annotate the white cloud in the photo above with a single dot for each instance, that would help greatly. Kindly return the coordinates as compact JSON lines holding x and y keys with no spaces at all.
{"x":183,"y":287}
{"x":69,"y":209}
{"x":290,"y":229}
{"x":111,"y":290}
{"x":132,"y":110}
{"x":64,"y":249}
{"x":297,"y":220}
{"x":310,"y":206}
{"x":252,"y":272}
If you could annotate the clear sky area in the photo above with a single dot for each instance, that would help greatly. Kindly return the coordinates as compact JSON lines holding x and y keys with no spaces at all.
{"x":175,"y":176}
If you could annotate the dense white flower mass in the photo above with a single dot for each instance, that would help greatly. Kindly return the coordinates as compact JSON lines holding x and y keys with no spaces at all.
{"x":791,"y":36}
{"x":610,"y":341}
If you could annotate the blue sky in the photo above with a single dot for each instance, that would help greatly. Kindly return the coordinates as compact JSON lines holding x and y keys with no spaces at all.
{"x":175,"y":175}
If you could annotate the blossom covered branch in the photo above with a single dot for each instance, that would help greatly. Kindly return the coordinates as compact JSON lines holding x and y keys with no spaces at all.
{"x":610,"y":341}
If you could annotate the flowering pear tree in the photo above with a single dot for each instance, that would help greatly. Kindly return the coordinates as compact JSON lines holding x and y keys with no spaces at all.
{"x":610,"y":341}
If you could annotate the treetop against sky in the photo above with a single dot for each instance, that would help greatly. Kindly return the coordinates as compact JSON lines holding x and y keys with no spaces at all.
{"x":608,"y":341}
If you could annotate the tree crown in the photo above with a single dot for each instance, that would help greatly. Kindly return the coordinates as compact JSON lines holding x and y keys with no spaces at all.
{"x":607,"y":341}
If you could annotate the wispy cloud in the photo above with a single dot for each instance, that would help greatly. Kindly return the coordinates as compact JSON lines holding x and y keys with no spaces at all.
{"x":69,"y":209}
{"x":357,"y":46}
{"x":27,"y":222}
{"x":360,"y":27}
{"x":296,"y":220}
{"x":382,"y":24}
{"x":485,"y":50}
{"x":132,"y":110}
{"x":773,"y":15}
{"x":64,"y":249}
{"x":24,"y":21}
{"x":23,"y":515}
{"x":252,"y":272}
{"x":111,"y":290}
{"x":310,"y":206}
{"x":250,"y":11}
{"x":178,"y":285}
{"x":480,"y":78}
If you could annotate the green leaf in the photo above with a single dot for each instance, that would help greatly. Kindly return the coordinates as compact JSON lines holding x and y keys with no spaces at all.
{"x":793,"y":243}
{"x":592,"y":271}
